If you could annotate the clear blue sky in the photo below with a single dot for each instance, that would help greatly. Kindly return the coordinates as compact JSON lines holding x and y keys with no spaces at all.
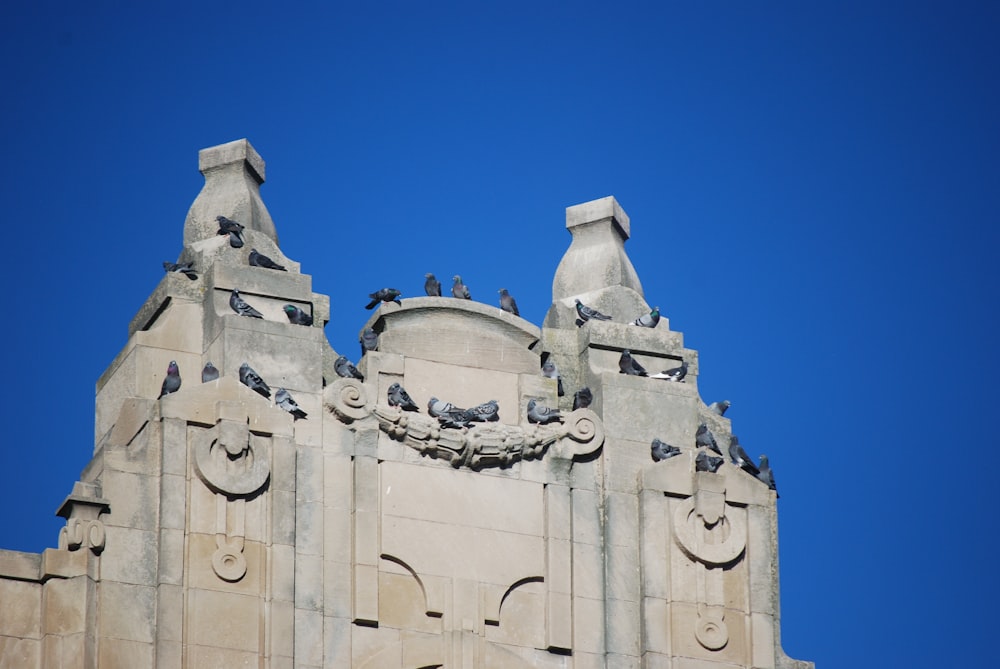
{"x":813,"y":190}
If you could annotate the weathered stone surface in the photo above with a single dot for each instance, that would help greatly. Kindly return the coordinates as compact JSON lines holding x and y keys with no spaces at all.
{"x":210,"y":529}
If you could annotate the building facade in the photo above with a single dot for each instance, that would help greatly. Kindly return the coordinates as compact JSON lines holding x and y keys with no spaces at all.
{"x":212,"y":528}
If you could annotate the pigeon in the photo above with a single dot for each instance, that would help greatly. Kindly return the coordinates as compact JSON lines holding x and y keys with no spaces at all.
{"x":261,"y":260}
{"x":766,"y":475}
{"x":549,"y":371}
{"x":187,"y":269}
{"x":740,"y":458}
{"x":231,"y":228}
{"x":582,"y":398}
{"x":172,"y":381}
{"x":296,"y":316}
{"x":398,"y":397}
{"x":384,"y":295}
{"x":629,"y":365}
{"x":648,"y":320}
{"x":447,"y":413}
{"x":485,"y":412}
{"x":707,"y":463}
{"x":661,"y":451}
{"x":507,"y":302}
{"x":369,"y":340}
{"x":241,"y":307}
{"x":209,"y":372}
{"x":538,"y":413}
{"x":459,"y":289}
{"x":283,"y":399}
{"x":673,"y":374}
{"x":432,"y":286}
{"x":704,"y":438}
{"x":719,"y":407}
{"x":586,"y":313}
{"x":252,"y":380}
{"x":346,"y":369}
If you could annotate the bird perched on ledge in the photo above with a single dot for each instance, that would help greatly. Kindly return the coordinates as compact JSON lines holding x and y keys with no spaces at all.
{"x":766,"y":475}
{"x":251,"y":379}
{"x":740,"y":458}
{"x":485,"y":412}
{"x":284,"y":399}
{"x":398,"y":397}
{"x":187,"y":269}
{"x":233,"y":229}
{"x":209,"y":372}
{"x":507,"y":302}
{"x":585,"y":313}
{"x":241,"y":307}
{"x":541,"y":414}
{"x":261,"y":260}
{"x":431,"y":285}
{"x":346,"y":369}
{"x":384,"y":295}
{"x":549,"y":371}
{"x":582,"y":398}
{"x":673,"y":374}
{"x":629,"y":365}
{"x":661,"y":450}
{"x":648,"y":320}
{"x":296,"y":316}
{"x":459,"y":289}
{"x":719,"y":407}
{"x":172,"y":381}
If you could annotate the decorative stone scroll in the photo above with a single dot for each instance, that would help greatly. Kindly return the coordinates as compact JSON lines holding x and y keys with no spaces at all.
{"x":347,"y":399}
{"x":82,"y":510}
{"x":492,"y":444}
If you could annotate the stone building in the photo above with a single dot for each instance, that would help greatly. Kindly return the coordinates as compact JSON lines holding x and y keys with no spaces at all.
{"x":214,"y":529}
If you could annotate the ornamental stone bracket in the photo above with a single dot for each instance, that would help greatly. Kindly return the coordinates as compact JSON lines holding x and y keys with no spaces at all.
{"x":347,"y":399}
{"x":235,"y":464}
{"x":493,"y":444}
{"x":82,"y":510}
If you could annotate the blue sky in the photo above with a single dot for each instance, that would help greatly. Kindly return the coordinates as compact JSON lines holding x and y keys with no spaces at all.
{"x":813,"y":190}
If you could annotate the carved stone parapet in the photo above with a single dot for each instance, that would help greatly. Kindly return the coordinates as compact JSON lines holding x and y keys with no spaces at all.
{"x":484,"y":445}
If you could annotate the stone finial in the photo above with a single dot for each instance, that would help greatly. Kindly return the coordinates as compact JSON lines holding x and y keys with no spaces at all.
{"x":233,"y":175}
{"x":596,"y":267}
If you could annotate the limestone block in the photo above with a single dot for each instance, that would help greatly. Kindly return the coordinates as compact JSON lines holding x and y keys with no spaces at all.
{"x":283,"y":456}
{"x":169,"y":613}
{"x":684,"y":624}
{"x":125,"y":654}
{"x":130,"y":556}
{"x":134,"y":499}
{"x":173,"y":502}
{"x":655,"y":545}
{"x":762,"y":570}
{"x":369,"y":642}
{"x":457,"y":332}
{"x":281,"y":630}
{"x":283,"y":517}
{"x":174,"y":434}
{"x":309,"y":475}
{"x":589,"y":661}
{"x":615,"y":661}
{"x":20,"y":615}
{"x":656,"y":661}
{"x":202,"y":508}
{"x":478,"y":554}
{"x":587,"y":527}
{"x":63,"y":605}
{"x":309,"y":528}
{"x":655,"y":626}
{"x":19,"y":565}
{"x":134,"y":416}
{"x":622,"y":525}
{"x":308,"y":584}
{"x":169,"y":655}
{"x":762,"y":640}
{"x":692,"y":663}
{"x":622,"y":572}
{"x":337,"y":535}
{"x":337,"y":586}
{"x":623,"y":622}
{"x":588,"y":625}
{"x":208,"y":656}
{"x":201,"y":574}
{"x":223,"y":620}
{"x":18,"y":653}
{"x":639,"y":408}
{"x":402,"y":604}
{"x":175,"y":324}
{"x":308,"y":638}
{"x":462,"y":498}
{"x":282,"y":568}
{"x":337,"y":643}
{"x":127,"y":611}
{"x":588,"y":571}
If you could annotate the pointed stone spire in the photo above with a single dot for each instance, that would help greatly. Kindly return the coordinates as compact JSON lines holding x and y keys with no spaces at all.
{"x":233,"y":175}
{"x":596,"y":267}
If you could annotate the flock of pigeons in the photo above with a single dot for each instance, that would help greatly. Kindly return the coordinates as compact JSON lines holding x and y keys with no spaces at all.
{"x":447,"y":413}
